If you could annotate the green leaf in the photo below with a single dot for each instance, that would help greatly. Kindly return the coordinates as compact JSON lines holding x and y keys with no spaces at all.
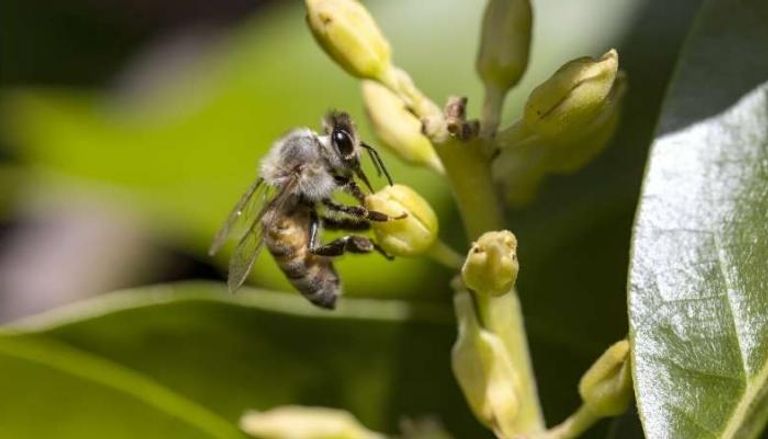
{"x":51,"y":390}
{"x":698,"y":281}
{"x":380,"y":359}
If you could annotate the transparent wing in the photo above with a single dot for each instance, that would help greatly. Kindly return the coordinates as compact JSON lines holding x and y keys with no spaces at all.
{"x":250,"y":202}
{"x":251,"y":243}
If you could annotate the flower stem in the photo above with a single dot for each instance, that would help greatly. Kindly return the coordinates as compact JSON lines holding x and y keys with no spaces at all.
{"x":492,"y":107}
{"x":469,"y":173}
{"x":575,"y":425}
{"x":468,"y":170}
{"x":445,"y":255}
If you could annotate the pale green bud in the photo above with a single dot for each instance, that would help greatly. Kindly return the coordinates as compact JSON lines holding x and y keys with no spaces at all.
{"x":484,"y":370}
{"x":505,"y":40}
{"x":397,"y":128}
{"x":572,"y":153}
{"x":606,"y":388}
{"x":491,"y":266}
{"x":349,"y":35}
{"x":296,"y":422}
{"x":572,"y":97}
{"x":409,"y":236}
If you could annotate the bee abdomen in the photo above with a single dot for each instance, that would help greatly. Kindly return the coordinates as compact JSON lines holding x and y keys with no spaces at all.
{"x":313,"y":276}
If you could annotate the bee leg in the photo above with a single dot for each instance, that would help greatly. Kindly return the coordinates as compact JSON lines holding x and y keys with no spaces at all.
{"x":350,"y":223}
{"x":360,"y":211}
{"x":355,"y":191}
{"x":348,"y":244}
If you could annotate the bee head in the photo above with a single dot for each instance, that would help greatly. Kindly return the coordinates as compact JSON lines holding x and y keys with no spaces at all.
{"x":346,"y":145}
{"x":341,"y":131}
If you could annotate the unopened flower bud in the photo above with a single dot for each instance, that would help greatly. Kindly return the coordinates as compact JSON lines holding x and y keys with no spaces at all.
{"x":397,"y":128}
{"x":484,"y":370}
{"x":349,"y":35}
{"x":570,"y":154}
{"x":409,"y":236}
{"x":505,"y":40}
{"x":296,"y":422}
{"x":491,"y":266}
{"x":606,"y":388}
{"x":572,"y":97}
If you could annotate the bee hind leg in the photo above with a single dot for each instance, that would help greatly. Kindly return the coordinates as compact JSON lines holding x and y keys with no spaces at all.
{"x":349,"y":243}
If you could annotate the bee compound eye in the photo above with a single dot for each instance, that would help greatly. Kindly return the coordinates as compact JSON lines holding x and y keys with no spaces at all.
{"x":343,"y":142}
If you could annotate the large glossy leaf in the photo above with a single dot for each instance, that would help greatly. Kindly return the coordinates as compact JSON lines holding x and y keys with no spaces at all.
{"x":381,"y":360}
{"x":699,"y":274}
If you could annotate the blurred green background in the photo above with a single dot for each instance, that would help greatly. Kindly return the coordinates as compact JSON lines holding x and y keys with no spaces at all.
{"x":129,"y":128}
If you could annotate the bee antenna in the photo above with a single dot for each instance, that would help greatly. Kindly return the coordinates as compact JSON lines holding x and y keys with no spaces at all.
{"x":361,"y":176}
{"x":377,"y":162}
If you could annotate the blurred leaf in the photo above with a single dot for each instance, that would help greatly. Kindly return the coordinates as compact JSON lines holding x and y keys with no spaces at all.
{"x":698,"y":302}
{"x":51,"y":390}
{"x":381,"y":360}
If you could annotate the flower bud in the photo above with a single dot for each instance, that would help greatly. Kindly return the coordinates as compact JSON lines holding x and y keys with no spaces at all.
{"x":527,"y":159}
{"x":397,"y":128}
{"x":296,"y":422}
{"x":491,"y":266}
{"x":572,"y":97}
{"x":505,"y":40}
{"x":606,"y":388}
{"x":409,"y":236}
{"x":571,"y":154}
{"x":349,"y":35}
{"x":484,"y":370}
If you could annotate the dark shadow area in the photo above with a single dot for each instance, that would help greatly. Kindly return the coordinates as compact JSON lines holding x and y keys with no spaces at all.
{"x":575,"y":238}
{"x":706,"y":91}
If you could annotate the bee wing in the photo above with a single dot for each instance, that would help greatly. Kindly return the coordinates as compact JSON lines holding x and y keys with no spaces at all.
{"x":251,"y":201}
{"x":251,"y":243}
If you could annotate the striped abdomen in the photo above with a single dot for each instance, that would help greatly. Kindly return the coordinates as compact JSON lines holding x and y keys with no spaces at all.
{"x":287,"y":238}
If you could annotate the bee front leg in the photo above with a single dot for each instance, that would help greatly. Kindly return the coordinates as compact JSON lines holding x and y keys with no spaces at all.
{"x":355,"y":191}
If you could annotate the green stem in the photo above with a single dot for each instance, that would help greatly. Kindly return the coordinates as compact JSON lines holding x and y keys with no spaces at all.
{"x":575,"y":425}
{"x":504,"y":317}
{"x":469,"y":172}
{"x":445,"y":255}
{"x":493,"y":104}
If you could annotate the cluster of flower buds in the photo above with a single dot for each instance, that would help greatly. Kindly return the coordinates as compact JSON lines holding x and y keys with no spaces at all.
{"x":567,"y":121}
{"x":297,"y":422}
{"x":350,"y":36}
{"x":491,"y":352}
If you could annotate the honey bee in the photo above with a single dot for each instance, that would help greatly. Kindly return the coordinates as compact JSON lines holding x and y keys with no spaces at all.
{"x":288,"y":205}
